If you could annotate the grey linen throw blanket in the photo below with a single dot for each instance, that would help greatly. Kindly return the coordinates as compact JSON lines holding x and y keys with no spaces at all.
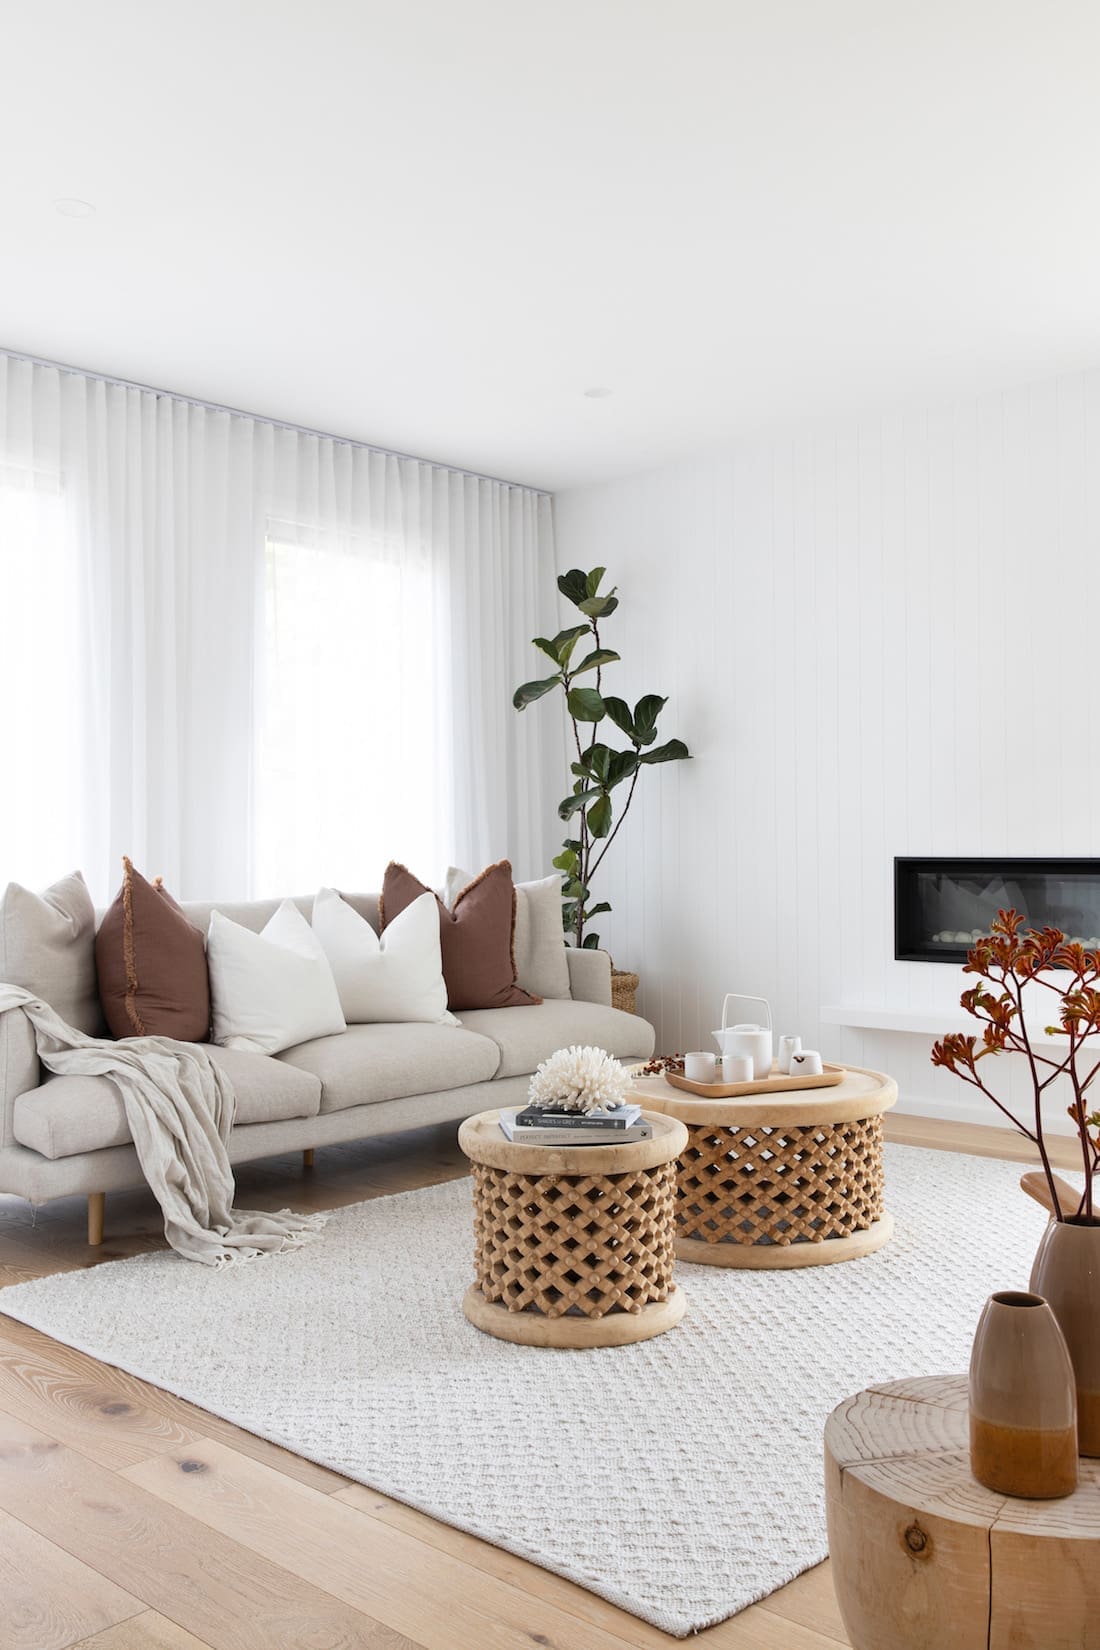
{"x":180,"y":1110}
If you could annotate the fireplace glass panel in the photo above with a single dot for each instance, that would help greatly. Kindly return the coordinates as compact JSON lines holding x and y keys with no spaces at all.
{"x":941,"y":906}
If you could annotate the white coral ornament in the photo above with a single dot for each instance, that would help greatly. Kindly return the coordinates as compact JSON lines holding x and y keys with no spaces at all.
{"x":579,"y":1079}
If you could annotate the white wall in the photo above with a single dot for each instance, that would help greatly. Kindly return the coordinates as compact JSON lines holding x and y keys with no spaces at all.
{"x":880,"y":641}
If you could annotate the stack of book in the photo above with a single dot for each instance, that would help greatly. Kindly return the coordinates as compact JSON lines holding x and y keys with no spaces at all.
{"x":539,"y":1126}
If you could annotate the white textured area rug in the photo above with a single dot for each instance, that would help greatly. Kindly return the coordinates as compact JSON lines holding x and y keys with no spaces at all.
{"x":680,"y":1478}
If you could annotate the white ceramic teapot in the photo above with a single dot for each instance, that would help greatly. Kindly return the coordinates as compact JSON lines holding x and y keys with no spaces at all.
{"x":747,"y":1038}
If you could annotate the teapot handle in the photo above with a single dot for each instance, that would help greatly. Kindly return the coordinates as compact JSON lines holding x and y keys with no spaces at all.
{"x":739,"y":996}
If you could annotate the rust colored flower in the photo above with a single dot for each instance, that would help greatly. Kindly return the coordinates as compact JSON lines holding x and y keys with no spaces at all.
{"x":1009,"y":961}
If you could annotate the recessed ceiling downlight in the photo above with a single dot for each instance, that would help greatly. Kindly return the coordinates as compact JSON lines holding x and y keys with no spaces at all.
{"x":71,"y":208}
{"x":598,"y":393}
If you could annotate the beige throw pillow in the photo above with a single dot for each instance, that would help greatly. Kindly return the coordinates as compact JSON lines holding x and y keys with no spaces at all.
{"x":541,"y":964}
{"x":47,"y":945}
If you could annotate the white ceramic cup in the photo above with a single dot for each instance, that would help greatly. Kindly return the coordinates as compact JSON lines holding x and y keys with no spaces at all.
{"x":700,"y":1067}
{"x":788,"y":1046}
{"x":807,"y":1063}
{"x":737,"y":1068}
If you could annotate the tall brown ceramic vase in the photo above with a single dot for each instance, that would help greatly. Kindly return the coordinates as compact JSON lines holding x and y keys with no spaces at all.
{"x":1067,"y":1275}
{"x":1023,"y":1409}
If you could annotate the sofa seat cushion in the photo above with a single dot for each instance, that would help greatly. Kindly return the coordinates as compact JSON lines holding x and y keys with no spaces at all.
{"x":67,"y":1115}
{"x":527,"y":1035}
{"x":369,"y":1063}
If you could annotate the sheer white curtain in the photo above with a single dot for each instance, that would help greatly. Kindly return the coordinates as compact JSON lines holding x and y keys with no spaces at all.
{"x":255,"y":659}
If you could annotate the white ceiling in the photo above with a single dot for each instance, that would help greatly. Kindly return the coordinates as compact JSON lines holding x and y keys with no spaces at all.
{"x":434,"y":224}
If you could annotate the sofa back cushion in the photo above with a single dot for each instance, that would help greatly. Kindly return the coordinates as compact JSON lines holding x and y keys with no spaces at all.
{"x":47,"y":945}
{"x":475,"y":935}
{"x":151,"y":965}
{"x":542,"y":967}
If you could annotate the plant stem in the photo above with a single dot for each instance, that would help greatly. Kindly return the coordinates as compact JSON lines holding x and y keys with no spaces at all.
{"x":1016,"y":991}
{"x":625,"y":810}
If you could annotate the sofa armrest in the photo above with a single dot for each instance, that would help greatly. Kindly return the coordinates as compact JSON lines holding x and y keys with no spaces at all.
{"x":589,"y":975}
{"x":19,"y":1068}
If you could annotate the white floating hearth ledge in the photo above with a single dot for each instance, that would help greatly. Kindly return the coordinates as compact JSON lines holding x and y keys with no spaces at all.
{"x":928,"y":1022}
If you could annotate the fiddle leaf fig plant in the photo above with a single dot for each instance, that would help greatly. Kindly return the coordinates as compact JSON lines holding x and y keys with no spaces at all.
{"x":591,"y":810}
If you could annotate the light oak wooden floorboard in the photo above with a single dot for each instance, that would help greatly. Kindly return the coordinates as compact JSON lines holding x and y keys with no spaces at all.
{"x":979,"y":1140}
{"x":121,"y":1423}
{"x":104,"y":1413}
{"x":212,"y":1585}
{"x":149,"y":1631}
{"x":514,"y":1602}
{"x":48,"y":1599}
{"x":816,"y":1610}
{"x":370,"y":1565}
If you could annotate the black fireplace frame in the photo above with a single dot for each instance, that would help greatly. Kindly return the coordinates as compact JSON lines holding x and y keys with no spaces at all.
{"x":910,"y":866}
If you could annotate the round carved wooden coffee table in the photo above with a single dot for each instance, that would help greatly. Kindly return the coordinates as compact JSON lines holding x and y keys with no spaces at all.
{"x":925,"y":1558}
{"x":574,"y":1245}
{"x":783,"y":1179}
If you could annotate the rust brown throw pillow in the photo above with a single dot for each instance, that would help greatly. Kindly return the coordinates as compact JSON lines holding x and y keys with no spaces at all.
{"x":151,"y":964}
{"x":479,"y":964}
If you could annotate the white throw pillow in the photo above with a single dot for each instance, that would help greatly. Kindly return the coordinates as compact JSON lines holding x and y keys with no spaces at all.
{"x":398,"y":977}
{"x":539,"y":943}
{"x":271,"y":990}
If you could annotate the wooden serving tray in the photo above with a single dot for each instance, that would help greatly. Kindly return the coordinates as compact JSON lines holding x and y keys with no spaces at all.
{"x":777,"y":1083}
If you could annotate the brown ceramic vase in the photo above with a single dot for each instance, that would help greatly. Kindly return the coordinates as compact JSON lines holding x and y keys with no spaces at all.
{"x":1067,"y":1275}
{"x":1023,"y":1409}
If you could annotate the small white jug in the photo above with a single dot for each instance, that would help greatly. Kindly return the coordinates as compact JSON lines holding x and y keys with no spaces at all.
{"x":748,"y":1038}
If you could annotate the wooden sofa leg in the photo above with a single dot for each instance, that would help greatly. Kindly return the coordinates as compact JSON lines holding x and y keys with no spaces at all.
{"x":307,"y":1158}
{"x":96,"y":1202}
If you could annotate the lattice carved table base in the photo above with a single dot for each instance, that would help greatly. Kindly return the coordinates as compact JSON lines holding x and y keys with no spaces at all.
{"x":574,"y":1258}
{"x":781,"y":1185}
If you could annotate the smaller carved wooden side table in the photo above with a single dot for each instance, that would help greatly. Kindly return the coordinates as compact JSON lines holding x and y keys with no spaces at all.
{"x":574,"y":1245}
{"x":924,"y":1558}
{"x":781,"y":1179}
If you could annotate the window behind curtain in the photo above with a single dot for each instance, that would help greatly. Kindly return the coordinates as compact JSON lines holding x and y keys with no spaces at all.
{"x":348,"y":772}
{"x":42,"y":832}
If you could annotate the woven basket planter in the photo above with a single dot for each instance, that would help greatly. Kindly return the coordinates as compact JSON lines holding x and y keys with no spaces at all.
{"x":624,"y":990}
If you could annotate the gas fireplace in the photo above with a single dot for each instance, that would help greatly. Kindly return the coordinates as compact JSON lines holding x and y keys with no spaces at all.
{"x":941,"y":906}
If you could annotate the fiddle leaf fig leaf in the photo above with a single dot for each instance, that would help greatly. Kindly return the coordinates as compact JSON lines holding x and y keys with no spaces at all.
{"x":646,"y":712}
{"x":574,"y":586}
{"x":621,"y":766}
{"x":599,"y":816}
{"x":547,"y":647}
{"x":566,"y":640}
{"x":594,"y":660}
{"x":575,"y":890}
{"x":619,"y":712}
{"x":530,"y":691}
{"x":592,"y":581}
{"x":565,"y":861}
{"x":674,"y":751}
{"x":591,"y":942}
{"x":597,"y":761}
{"x":598,"y":910}
{"x":599,"y":607}
{"x":585,"y":705}
{"x":580,"y":799}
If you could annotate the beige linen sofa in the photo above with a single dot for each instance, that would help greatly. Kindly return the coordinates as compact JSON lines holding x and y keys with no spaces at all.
{"x":69,"y":1135}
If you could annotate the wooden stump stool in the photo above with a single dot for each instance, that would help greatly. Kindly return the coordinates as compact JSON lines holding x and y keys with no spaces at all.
{"x":574,"y":1245}
{"x":924,"y":1558}
{"x":789,"y":1178}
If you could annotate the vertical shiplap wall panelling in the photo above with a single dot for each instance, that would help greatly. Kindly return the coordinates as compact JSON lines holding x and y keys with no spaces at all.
{"x":823,"y":693}
{"x":870,"y":640}
{"x":781,"y":756}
